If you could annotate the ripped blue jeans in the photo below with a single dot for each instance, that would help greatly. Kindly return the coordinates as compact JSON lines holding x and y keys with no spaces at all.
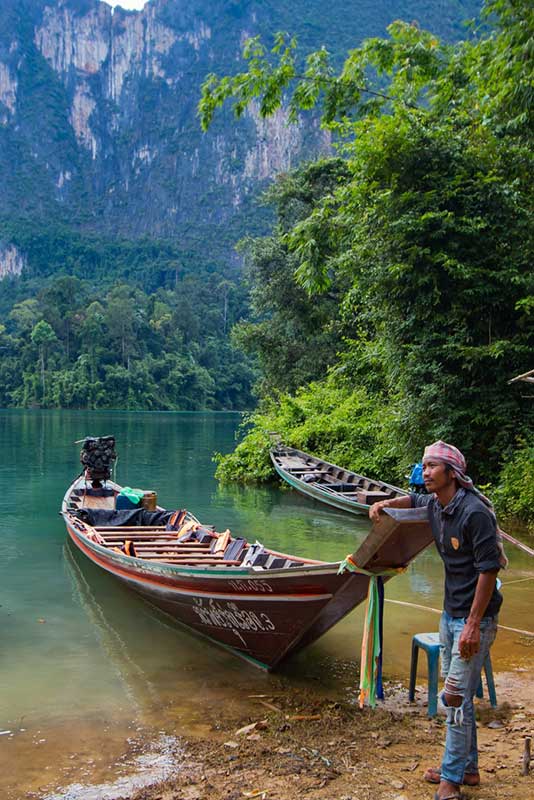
{"x":461,"y":678}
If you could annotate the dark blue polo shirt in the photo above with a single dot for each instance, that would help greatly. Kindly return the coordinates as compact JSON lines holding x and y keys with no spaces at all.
{"x":465,"y":533}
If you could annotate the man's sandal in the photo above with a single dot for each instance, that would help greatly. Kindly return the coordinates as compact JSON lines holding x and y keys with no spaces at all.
{"x":455,"y":796}
{"x":433,"y":775}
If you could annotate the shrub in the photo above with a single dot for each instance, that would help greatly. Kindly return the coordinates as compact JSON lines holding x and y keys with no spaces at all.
{"x":341,"y":424}
{"x":514,"y":494}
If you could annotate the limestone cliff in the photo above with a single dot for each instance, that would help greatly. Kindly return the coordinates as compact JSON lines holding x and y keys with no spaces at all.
{"x":12,"y":262}
{"x":98,"y":122}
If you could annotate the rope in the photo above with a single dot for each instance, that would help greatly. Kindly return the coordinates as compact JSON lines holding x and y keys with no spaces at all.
{"x":518,"y":580}
{"x":509,"y":538}
{"x":438,"y":611}
{"x":371,"y":685}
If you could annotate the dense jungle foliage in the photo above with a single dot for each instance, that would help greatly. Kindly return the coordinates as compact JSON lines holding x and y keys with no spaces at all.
{"x":98,"y":323}
{"x":395,"y":296}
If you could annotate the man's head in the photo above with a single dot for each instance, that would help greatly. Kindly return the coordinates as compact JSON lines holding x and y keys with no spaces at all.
{"x":443,"y":467}
{"x":444,"y":471}
{"x":448,"y":454}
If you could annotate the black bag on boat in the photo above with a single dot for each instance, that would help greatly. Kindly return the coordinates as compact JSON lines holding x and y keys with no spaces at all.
{"x":114,"y":518}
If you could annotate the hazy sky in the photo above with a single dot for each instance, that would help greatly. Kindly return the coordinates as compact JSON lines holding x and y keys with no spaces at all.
{"x":137,"y":4}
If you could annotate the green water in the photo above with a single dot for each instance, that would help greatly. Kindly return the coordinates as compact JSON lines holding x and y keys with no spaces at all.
{"x":88,"y":671}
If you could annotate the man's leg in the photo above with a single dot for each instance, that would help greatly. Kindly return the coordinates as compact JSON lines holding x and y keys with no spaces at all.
{"x":471,"y":768}
{"x":488,"y":631}
{"x":461,"y":753}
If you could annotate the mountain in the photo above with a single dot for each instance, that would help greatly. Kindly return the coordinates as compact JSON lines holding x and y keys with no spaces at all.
{"x":119,"y":282}
{"x":98,"y":123}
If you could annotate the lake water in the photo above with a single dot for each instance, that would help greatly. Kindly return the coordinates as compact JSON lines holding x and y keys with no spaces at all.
{"x":90,"y":675}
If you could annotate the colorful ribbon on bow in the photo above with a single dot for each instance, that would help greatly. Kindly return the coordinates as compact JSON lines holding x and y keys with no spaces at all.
{"x":371,"y":656}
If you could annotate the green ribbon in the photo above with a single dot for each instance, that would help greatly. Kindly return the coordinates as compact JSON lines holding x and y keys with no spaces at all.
{"x":371,"y":649}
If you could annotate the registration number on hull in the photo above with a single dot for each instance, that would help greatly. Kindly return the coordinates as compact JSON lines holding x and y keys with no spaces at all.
{"x":250,"y":586}
{"x":229,"y":615}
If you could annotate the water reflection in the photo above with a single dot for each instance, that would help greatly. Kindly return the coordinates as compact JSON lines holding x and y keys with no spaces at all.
{"x":84,"y":660}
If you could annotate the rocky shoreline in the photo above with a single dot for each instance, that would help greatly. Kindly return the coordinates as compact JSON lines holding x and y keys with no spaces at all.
{"x":294,"y":745}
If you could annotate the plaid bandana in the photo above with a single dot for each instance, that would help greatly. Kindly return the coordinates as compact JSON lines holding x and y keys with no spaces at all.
{"x":450,"y":455}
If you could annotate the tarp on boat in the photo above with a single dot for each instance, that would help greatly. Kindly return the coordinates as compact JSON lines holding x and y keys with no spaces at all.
{"x":115,"y":518}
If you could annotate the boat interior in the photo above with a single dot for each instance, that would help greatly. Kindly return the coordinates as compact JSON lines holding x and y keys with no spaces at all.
{"x":163,"y":536}
{"x":336,"y":480}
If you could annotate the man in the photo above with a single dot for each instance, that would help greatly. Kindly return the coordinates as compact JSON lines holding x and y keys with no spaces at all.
{"x":465,"y":532}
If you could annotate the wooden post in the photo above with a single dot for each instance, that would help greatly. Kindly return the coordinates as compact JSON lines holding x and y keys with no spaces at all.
{"x":526,"y":757}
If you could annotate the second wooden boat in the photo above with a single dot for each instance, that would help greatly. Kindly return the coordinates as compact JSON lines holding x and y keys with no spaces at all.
{"x":329,"y":483}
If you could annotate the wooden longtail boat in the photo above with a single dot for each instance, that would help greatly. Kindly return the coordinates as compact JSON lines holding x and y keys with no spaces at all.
{"x":261,"y":604}
{"x":328,"y":483}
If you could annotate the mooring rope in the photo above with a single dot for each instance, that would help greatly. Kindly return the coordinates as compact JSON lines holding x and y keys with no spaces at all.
{"x":509,"y":538}
{"x":438,"y":611}
{"x":518,"y":580}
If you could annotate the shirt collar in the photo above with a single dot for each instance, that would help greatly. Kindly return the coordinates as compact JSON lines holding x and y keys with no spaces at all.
{"x":451,"y":507}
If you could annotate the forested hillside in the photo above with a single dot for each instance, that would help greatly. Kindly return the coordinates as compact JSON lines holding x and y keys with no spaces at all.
{"x":411,"y":261}
{"x":152,"y":335}
{"x":114,"y":200}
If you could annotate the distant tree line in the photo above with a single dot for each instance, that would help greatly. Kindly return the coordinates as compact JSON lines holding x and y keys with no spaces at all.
{"x":143,"y":329}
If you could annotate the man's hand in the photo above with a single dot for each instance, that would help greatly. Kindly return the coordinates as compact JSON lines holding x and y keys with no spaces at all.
{"x":376,"y":508}
{"x":469,"y":641}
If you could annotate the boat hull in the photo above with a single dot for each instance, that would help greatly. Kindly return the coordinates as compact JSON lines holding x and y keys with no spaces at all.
{"x":263,"y":617}
{"x":322,"y":496}
{"x":322,"y":490}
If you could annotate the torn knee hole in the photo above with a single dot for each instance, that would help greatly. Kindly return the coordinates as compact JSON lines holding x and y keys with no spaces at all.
{"x":454,"y":700}
{"x":452,"y":693}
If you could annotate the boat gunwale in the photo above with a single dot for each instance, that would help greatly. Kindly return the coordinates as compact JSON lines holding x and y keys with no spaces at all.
{"x":273,"y":453}
{"x":214,"y":570}
{"x":168,"y":568}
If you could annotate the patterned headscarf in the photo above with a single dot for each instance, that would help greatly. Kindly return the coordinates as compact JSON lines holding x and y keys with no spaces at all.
{"x":450,"y":455}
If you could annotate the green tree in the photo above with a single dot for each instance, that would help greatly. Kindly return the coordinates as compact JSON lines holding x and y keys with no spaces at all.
{"x":43,"y":337}
{"x":93,"y":335}
{"x":58,"y":302}
{"x":431,"y":235}
{"x":295,"y":337}
{"x":124,"y":317}
{"x":24,"y":316}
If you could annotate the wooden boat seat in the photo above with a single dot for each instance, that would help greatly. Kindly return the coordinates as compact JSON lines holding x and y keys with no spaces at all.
{"x":179,"y":556}
{"x":341,"y":487}
{"x":373,"y":497}
{"x":304,"y":470}
{"x":97,"y":502}
{"x":294,"y":463}
{"x":133,"y":528}
{"x":141,"y":549}
{"x":235,"y":550}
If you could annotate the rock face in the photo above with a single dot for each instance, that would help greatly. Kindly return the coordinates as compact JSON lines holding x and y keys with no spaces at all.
{"x":12,"y":262}
{"x":98,"y":123}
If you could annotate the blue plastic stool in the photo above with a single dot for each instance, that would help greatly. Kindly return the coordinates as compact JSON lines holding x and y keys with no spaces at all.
{"x":429,"y":642}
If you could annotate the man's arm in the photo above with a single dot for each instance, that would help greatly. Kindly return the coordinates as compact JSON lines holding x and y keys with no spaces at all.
{"x":395,"y":502}
{"x":482,"y":528}
{"x":469,"y":641}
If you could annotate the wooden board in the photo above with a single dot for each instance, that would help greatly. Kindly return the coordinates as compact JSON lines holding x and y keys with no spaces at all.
{"x":395,"y":539}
